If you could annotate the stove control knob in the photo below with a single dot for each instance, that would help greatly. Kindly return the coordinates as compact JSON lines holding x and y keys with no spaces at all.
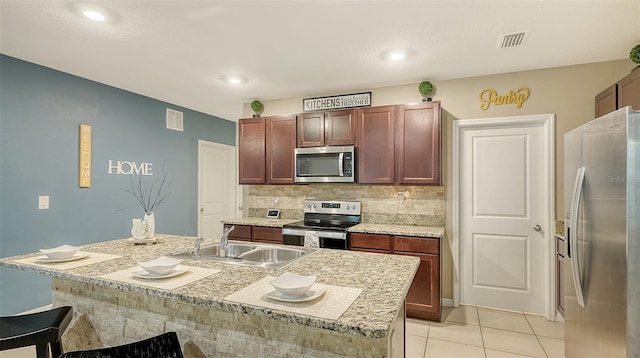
{"x":314,"y":205}
{"x":354,"y":207}
{"x":349,"y":207}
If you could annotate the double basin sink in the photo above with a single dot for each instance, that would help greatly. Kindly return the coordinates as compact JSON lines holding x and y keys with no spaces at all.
{"x":275,"y":257}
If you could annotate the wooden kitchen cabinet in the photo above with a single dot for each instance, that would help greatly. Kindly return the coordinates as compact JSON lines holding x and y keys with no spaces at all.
{"x":271,"y":235}
{"x":606,"y":101}
{"x":629,"y":90}
{"x":418,"y":144}
{"x":376,"y":144}
{"x":423,"y":298}
{"x":251,"y":151}
{"x":371,"y":243}
{"x":320,"y":129}
{"x":266,"y":148}
{"x":280,"y":144}
{"x":240,"y":233}
{"x":625,"y":92}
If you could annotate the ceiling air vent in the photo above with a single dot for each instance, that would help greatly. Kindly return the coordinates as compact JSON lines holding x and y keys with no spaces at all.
{"x":174,"y":120}
{"x":513,"y":39}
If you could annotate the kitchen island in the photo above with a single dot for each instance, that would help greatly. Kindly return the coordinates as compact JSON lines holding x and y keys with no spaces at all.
{"x":121,"y":312}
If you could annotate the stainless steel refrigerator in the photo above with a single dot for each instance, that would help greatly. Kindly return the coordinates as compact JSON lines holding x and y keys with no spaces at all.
{"x":602,"y":231}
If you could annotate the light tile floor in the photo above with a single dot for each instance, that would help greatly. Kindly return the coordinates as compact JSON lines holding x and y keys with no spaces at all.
{"x":470,"y":331}
{"x":466,"y":332}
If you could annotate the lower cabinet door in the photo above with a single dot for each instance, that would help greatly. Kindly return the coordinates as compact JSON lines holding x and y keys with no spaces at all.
{"x":423,"y":299}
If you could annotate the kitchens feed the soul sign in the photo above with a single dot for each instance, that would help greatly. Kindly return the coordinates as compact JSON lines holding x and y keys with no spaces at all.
{"x":490,"y":96}
{"x":335,"y":102}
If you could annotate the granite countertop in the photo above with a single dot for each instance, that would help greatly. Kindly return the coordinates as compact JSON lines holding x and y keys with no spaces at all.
{"x":260,"y":221}
{"x":409,"y":230}
{"x":385,"y":280}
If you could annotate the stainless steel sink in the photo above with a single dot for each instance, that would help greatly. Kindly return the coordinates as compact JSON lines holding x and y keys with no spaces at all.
{"x":233,"y":250}
{"x":273,"y":256}
{"x":249,"y":254}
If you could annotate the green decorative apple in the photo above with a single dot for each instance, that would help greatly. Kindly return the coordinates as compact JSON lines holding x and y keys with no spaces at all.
{"x":635,"y":54}
{"x":257,"y":107}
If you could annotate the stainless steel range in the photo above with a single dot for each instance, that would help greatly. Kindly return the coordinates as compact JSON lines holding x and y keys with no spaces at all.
{"x":330,"y":219}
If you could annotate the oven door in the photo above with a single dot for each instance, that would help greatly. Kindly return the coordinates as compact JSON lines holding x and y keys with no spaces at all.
{"x":328,"y":239}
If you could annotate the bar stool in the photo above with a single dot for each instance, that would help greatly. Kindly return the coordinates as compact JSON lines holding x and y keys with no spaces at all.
{"x":165,"y":345}
{"x":42,"y":329}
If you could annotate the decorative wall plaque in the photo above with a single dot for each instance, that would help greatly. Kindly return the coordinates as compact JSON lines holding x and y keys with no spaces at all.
{"x":490,"y":96}
{"x":84,"y":157}
{"x":336,"y":102}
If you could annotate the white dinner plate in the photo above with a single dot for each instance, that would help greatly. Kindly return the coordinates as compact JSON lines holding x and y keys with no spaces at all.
{"x":149,"y":276}
{"x":314,"y":292}
{"x":77,"y":256}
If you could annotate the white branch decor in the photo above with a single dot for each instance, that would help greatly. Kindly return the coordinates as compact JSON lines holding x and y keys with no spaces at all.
{"x":150,"y":198}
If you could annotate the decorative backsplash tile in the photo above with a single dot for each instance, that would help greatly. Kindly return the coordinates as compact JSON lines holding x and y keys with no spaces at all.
{"x":422,"y":205}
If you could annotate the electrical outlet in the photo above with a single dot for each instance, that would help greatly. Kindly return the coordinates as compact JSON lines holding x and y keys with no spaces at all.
{"x":276,"y":200}
{"x":400,"y":197}
{"x":43,"y":202}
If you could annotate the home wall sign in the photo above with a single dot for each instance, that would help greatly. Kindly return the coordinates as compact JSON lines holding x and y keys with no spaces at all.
{"x":84,"y":157}
{"x":490,"y":96}
{"x":335,"y":102}
{"x":120,"y":167}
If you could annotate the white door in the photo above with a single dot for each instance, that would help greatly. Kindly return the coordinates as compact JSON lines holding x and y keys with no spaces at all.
{"x":217,"y":187}
{"x":503,"y":218}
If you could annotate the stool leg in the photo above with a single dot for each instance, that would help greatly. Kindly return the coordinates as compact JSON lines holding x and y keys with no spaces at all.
{"x":42,"y":350}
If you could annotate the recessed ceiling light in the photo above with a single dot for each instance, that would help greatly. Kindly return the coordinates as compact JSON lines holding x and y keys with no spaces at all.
{"x":235,"y":80}
{"x":95,"y":16}
{"x":396,"y":55}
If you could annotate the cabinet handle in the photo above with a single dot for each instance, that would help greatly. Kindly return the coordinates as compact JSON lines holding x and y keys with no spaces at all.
{"x":537,"y":227}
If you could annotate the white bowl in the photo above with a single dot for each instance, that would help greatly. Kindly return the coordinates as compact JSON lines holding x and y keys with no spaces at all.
{"x":60,"y":252}
{"x":160,"y":266}
{"x":292,"y":285}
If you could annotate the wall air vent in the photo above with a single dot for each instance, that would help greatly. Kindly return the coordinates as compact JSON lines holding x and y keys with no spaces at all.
{"x":513,"y":39}
{"x":174,"y":120}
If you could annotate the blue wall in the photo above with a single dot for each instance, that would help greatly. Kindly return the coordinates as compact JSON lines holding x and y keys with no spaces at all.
{"x":40,"y":111}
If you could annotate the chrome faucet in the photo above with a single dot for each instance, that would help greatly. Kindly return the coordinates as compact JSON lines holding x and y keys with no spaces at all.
{"x":196,"y":247}
{"x":224,"y":241}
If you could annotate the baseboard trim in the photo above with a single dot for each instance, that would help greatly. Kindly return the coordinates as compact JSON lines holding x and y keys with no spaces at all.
{"x":446,"y":302}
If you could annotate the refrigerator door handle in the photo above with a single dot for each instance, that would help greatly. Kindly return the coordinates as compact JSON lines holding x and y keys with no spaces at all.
{"x":573,"y":239}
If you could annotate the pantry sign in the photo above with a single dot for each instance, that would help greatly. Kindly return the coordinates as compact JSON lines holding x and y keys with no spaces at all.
{"x":490,"y":96}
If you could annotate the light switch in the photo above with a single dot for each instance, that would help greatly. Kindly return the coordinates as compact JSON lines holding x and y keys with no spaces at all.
{"x":43,"y":202}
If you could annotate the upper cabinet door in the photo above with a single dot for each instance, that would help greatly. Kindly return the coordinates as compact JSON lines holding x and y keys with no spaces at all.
{"x":251,"y":145}
{"x":340,"y":127}
{"x":418,"y":144}
{"x":311,"y":129}
{"x":606,"y":101}
{"x":629,"y":90}
{"x":280,"y":145}
{"x":375,"y":143}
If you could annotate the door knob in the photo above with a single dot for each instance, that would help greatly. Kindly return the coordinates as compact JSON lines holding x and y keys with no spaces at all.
{"x":201,"y":210}
{"x":537,"y":227}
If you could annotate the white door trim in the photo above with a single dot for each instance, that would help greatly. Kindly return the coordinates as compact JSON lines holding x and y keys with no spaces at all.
{"x":547,"y":121}
{"x":233,"y":172}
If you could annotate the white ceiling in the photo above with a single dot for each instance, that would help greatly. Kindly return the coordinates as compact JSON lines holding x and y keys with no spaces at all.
{"x":176,"y":51}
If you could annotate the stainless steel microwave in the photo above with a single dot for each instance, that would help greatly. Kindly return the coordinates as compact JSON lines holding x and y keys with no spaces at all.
{"x":325,"y":164}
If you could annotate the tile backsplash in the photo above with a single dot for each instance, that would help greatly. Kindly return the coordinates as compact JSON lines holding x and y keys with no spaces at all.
{"x":422,"y":205}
